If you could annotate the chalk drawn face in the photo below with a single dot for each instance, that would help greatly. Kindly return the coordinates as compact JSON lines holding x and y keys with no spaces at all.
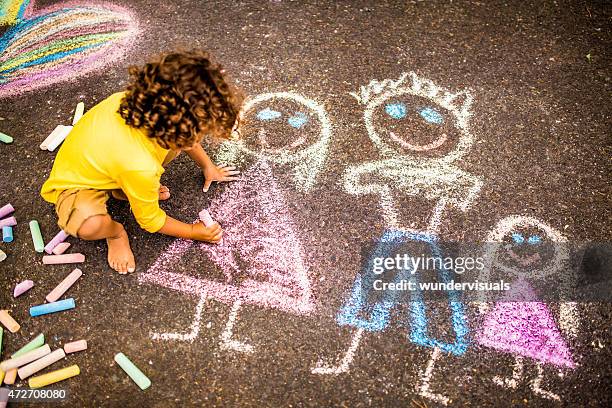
{"x":281,"y":124}
{"x":527,"y":248}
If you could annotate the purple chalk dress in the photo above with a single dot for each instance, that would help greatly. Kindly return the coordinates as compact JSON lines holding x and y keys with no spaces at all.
{"x":521,"y":325}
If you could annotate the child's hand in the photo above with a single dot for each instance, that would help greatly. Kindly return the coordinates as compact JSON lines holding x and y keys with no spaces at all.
{"x":212,"y":234}
{"x":215,"y":173}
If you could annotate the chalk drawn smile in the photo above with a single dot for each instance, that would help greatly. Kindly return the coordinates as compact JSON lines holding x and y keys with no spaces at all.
{"x":420,"y":148}
{"x":524,"y":260}
{"x":264,"y":142}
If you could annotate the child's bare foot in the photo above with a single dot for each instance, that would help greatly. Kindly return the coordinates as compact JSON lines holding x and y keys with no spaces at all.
{"x":120,"y":256}
{"x":164,"y":194}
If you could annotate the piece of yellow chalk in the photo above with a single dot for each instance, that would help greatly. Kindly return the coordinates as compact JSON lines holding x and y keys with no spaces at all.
{"x":8,"y":322}
{"x":1,"y":376}
{"x":78,"y":113}
{"x":10,"y":376}
{"x":54,"y":376}
{"x":75,"y":346}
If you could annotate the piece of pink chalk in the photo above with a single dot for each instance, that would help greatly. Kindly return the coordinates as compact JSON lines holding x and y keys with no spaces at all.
{"x":22,"y":288}
{"x":61,"y":248}
{"x":59,"y":238}
{"x":206,"y":218}
{"x":6,"y":210}
{"x":63,"y":259}
{"x":8,"y":222}
{"x":75,"y":346}
{"x":64,"y":285}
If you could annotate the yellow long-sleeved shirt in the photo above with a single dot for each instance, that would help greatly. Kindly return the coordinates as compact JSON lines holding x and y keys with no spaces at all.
{"x":103,"y":153}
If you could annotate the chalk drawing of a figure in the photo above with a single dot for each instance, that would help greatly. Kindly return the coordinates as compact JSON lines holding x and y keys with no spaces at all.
{"x":260,"y":257}
{"x":421,"y":132}
{"x":528,"y":251}
{"x":59,"y":42}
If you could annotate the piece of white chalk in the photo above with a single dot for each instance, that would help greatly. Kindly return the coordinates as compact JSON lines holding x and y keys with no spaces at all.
{"x":78,"y":113}
{"x":61,"y":248}
{"x":25,"y":358}
{"x":63,"y":259}
{"x":206,"y":218}
{"x":45,"y":144}
{"x":59,"y":137}
{"x":22,"y":288}
{"x":2,"y":255}
{"x":57,"y":239}
{"x":75,"y":346}
{"x":44,"y":362}
{"x":64,"y":285}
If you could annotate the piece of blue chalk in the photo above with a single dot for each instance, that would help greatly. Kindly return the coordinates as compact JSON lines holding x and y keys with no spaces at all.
{"x":52,"y":307}
{"x":7,"y":233}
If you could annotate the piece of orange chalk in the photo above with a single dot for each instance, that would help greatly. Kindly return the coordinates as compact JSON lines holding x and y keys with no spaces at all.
{"x":8,"y":322}
{"x":10,"y":376}
{"x":64,"y":285}
{"x":75,"y":346}
{"x":63,"y":259}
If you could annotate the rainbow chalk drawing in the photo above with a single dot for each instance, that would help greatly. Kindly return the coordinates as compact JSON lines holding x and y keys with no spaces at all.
{"x":259,"y":233}
{"x":410,"y":166}
{"x":60,"y":42}
{"x":520,"y":324}
{"x":310,"y":136}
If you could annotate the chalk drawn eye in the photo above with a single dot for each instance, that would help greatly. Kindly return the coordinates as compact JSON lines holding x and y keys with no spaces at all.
{"x":431,"y":115}
{"x":298,"y":120}
{"x":396,"y":110}
{"x":534,"y":239}
{"x":268,"y":114}
{"x":518,"y":238}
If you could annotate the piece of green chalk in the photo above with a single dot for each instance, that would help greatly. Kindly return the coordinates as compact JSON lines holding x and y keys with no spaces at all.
{"x":135,"y":374}
{"x":39,"y":244}
{"x":5,"y":138}
{"x":37,"y":342}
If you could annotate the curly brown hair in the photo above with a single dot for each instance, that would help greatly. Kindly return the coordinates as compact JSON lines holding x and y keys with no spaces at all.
{"x":180,"y":98}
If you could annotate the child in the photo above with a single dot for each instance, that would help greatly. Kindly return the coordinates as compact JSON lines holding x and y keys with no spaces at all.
{"x":120,"y":148}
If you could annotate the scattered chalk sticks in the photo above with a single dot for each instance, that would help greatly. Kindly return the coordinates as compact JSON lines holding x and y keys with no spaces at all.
{"x":35,"y":343}
{"x":6,"y":210}
{"x":10,"y":221}
{"x":42,"y":363}
{"x":26,"y":358}
{"x":61,"y":248}
{"x":22,"y":288}
{"x":54,"y":376}
{"x":134,"y":372}
{"x":54,"y":307}
{"x":57,"y":239}
{"x":39,"y":244}
{"x":64,"y":285}
{"x":63,"y":259}
{"x":75,"y":346}
{"x":4,"y":138}
{"x":8,"y":322}
{"x":7,"y":233}
{"x":78,"y":113}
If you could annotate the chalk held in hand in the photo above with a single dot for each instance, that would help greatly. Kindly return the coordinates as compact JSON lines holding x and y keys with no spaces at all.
{"x":57,"y":239}
{"x":7,"y":233}
{"x":26,"y":358}
{"x":8,"y":322}
{"x":10,"y":221}
{"x":61,"y":248}
{"x":78,"y":113}
{"x":22,"y":288}
{"x":64,"y":285}
{"x":54,"y":307}
{"x":75,"y":346}
{"x":36,"y":366}
{"x":4,"y":138}
{"x":54,"y":376}
{"x":63,"y":259}
{"x":206,"y":218}
{"x":135,"y":374}
{"x":39,"y":244}
{"x":6,"y":210}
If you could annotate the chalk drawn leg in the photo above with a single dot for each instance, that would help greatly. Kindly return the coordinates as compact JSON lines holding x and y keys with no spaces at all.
{"x":517,"y":373}
{"x":227,"y":343}
{"x":536,"y":385}
{"x":194,"y":329}
{"x":424,"y":389}
{"x":343,"y":367}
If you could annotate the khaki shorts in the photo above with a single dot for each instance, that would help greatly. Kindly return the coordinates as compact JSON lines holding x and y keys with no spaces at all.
{"x":74,"y":206}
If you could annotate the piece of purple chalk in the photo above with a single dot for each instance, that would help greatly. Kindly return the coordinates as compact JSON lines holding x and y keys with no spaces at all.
{"x":6,"y":210}
{"x":59,"y":238}
{"x":22,"y":288}
{"x":10,"y":221}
